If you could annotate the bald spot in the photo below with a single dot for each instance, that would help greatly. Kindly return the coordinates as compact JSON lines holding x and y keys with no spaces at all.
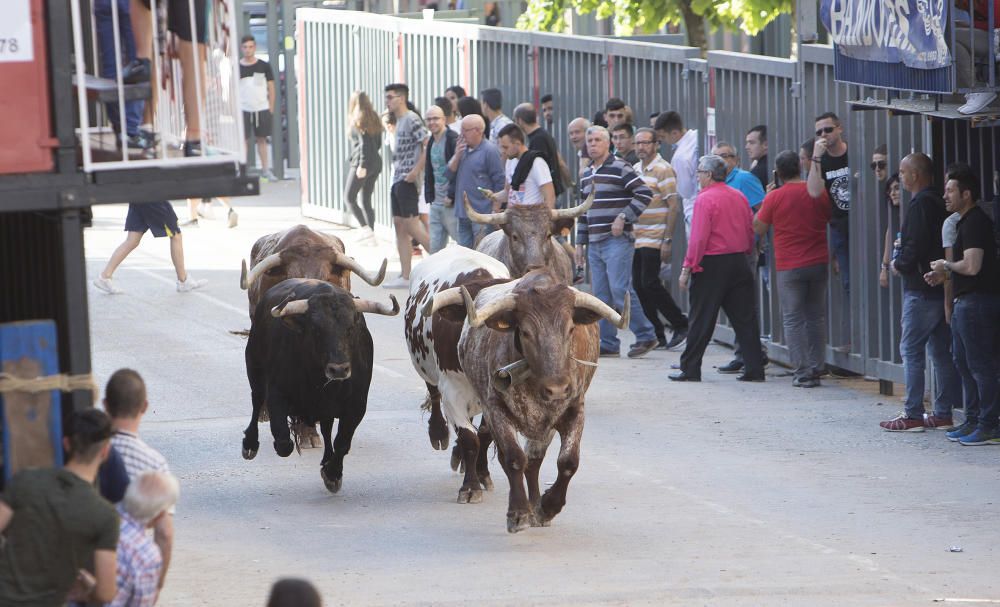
{"x":921,"y":164}
{"x":473,"y":121}
{"x":434,"y":112}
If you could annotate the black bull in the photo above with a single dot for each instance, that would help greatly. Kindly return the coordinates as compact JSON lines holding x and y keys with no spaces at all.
{"x":310,"y":356}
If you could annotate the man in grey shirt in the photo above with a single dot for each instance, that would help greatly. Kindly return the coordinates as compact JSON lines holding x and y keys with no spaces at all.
{"x":407,"y":164}
{"x":476,"y":164}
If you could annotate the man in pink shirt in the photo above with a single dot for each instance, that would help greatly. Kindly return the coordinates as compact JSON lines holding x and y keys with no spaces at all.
{"x":716,"y":271}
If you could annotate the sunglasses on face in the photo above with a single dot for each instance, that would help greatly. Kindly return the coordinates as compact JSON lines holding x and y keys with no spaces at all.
{"x":878,"y":165}
{"x":825,"y":130}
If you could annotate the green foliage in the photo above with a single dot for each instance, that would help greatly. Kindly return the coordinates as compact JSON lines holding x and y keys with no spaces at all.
{"x":749,"y":16}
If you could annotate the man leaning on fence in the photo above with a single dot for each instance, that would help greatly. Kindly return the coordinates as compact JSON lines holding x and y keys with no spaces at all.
{"x":620,"y":197}
{"x":923,"y":322}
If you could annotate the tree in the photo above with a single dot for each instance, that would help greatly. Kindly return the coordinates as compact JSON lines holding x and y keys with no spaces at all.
{"x":649,"y":16}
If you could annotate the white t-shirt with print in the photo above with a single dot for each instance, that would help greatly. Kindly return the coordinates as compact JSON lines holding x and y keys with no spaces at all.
{"x":530,"y":191}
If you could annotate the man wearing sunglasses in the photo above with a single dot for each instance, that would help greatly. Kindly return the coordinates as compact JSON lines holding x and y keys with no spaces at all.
{"x":829,"y":170}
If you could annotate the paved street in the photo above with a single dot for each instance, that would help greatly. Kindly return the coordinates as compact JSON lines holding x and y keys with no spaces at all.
{"x":717,"y":493}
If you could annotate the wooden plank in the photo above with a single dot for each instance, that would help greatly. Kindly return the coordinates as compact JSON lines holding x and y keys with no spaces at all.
{"x":32,"y":422}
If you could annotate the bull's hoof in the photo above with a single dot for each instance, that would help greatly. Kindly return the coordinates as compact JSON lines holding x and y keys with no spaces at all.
{"x":306,"y":436}
{"x":487,"y":482}
{"x":284,"y":447}
{"x":457,"y":463}
{"x":518,"y":521}
{"x":332,"y":485}
{"x":250,"y":448}
{"x":439,"y":444}
{"x":539,"y":518}
{"x":470,"y":496}
{"x":437,"y":431}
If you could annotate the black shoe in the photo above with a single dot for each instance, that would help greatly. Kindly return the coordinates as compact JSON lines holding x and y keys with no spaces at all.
{"x":136,"y":71}
{"x":192,"y":148}
{"x":733,"y":366}
{"x":682,"y":376}
{"x":749,"y":377}
{"x":641,"y":348}
{"x":610,"y":353}
{"x":806,"y":382}
{"x":149,"y":136}
{"x":678,"y":339}
{"x":661,"y":343}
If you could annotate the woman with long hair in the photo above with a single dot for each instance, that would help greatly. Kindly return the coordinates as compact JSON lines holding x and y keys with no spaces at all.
{"x":468,"y":106}
{"x":365,"y":132}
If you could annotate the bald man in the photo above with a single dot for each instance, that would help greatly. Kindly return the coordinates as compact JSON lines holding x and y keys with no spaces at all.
{"x":923,"y":320}
{"x":476,"y":164}
{"x":439,"y":187}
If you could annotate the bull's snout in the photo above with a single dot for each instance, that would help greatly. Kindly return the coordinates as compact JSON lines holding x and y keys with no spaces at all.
{"x":335,"y":371}
{"x":555,"y":390}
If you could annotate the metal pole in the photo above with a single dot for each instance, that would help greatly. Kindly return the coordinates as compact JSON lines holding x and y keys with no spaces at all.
{"x":274,"y":41}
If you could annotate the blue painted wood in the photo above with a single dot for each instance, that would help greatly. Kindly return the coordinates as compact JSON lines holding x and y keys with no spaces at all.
{"x":36,"y":340}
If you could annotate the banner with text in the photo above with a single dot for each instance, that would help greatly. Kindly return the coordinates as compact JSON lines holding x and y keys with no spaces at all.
{"x":911,"y":32}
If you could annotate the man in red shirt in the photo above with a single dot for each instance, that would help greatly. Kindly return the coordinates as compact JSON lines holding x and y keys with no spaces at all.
{"x":716,"y":269}
{"x":801,"y":257}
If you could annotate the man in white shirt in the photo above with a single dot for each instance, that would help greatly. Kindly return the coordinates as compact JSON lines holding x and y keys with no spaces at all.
{"x":670,"y":129}
{"x":256,"y":100}
{"x":528,"y":178}
{"x":492,"y":100}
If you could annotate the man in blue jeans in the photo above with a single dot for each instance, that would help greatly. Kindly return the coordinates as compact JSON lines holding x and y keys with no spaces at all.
{"x":620,"y":196}
{"x":924,"y":325}
{"x":475,"y":164}
{"x":105,"y":29}
{"x":975,"y":278}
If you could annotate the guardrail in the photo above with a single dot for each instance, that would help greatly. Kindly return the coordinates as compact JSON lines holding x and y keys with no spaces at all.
{"x":737,"y":90}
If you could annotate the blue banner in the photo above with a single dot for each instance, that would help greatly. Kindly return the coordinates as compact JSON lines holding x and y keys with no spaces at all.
{"x":911,"y":32}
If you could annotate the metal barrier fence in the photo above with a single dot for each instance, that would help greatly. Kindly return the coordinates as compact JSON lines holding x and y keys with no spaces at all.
{"x":342,"y":51}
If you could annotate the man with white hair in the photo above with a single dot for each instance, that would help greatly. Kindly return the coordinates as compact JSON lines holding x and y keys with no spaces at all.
{"x":149,"y":498}
{"x":476,"y":164}
{"x":620,"y":197}
{"x":716,"y":270}
{"x":577,"y":131}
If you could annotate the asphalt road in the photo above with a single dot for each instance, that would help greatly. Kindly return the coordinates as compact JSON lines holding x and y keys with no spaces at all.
{"x":716,"y":493}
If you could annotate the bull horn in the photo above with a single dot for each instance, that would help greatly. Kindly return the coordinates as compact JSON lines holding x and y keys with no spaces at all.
{"x":351,"y":264}
{"x":298,"y":306}
{"x":497,"y":219}
{"x":366,"y":306}
{"x":442,"y":299}
{"x":574,"y":211}
{"x":478,"y":317}
{"x":589,"y":302}
{"x":271,"y":261}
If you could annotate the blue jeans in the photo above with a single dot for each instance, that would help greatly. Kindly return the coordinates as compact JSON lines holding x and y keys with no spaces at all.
{"x":443,"y":224}
{"x":974,"y":323}
{"x":611,"y":277}
{"x":105,"y":28}
{"x":470,"y":231}
{"x":925,"y":331}
{"x":839,"y":246}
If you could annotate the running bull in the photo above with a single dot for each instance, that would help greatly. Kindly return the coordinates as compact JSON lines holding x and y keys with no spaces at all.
{"x":552,"y":327}
{"x":310,"y":356}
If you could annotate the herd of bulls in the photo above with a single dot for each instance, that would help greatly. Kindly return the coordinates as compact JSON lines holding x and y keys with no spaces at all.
{"x":498,"y":331}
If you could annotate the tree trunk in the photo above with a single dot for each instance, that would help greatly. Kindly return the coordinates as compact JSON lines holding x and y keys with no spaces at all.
{"x":695,"y":26}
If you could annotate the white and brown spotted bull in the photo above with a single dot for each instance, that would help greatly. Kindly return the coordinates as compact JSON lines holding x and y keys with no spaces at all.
{"x":551,"y":326}
{"x":526,"y":239}
{"x":433,"y":345}
{"x":300,"y":252}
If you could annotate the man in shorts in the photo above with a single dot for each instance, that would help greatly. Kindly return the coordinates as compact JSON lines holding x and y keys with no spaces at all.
{"x":257,"y":100}
{"x":160,"y":219}
{"x":407,"y":164}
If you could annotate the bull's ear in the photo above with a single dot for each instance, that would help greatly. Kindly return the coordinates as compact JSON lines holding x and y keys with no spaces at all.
{"x":503,"y":321}
{"x":453,"y":313}
{"x":583,"y":316}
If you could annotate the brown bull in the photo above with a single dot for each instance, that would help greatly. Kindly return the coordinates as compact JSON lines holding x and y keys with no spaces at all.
{"x":552,"y":328}
{"x":300,"y":252}
{"x":526,"y":238}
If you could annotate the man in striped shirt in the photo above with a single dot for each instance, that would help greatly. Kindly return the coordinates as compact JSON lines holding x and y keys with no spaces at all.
{"x":620,"y":197}
{"x":126,"y":403}
{"x":653,"y":239}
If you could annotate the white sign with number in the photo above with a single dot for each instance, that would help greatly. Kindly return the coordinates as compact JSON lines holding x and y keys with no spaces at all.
{"x":15,"y":31}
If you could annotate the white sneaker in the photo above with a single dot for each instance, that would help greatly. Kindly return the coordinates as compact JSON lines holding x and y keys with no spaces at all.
{"x":397,"y":283}
{"x":232,"y":218}
{"x":976,"y":102}
{"x":205,"y":210}
{"x":269,"y":176}
{"x":106,"y":285}
{"x":190,"y":284}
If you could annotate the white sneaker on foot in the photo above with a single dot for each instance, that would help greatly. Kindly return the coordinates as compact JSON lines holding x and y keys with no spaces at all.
{"x":232,"y":218}
{"x":397,"y":283}
{"x":190,"y":284}
{"x":269,"y":176}
{"x":106,"y":285}
{"x":976,"y":102}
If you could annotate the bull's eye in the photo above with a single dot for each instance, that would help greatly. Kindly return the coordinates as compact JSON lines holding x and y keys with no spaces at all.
{"x":526,"y":333}
{"x":514,"y":237}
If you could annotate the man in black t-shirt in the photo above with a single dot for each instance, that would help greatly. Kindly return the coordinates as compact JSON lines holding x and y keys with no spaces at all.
{"x":829,"y":170}
{"x":256,"y":100}
{"x":539,"y":140}
{"x":974,"y":326}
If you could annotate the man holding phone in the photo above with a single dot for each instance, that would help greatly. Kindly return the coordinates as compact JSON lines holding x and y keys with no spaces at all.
{"x":476,"y":166}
